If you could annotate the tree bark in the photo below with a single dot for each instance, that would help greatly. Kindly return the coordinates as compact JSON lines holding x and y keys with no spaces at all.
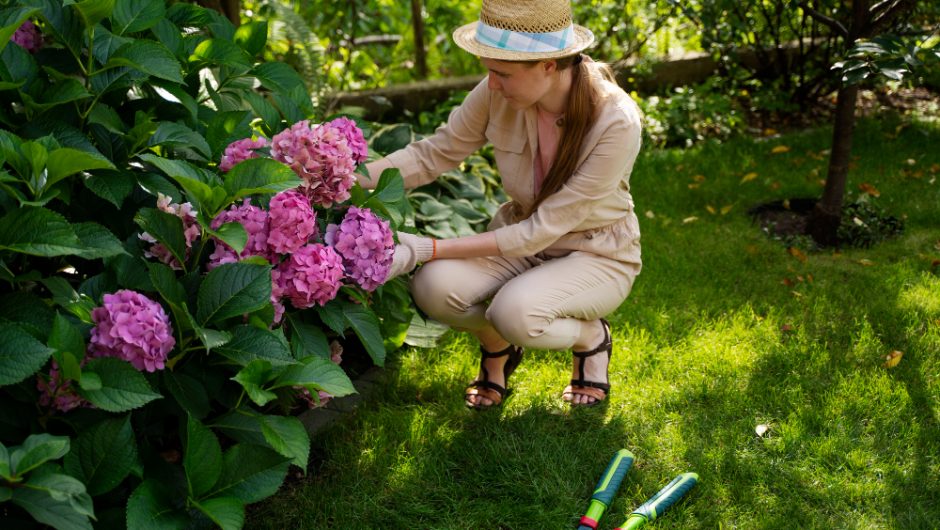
{"x":417,"y":24}
{"x":231,"y":9}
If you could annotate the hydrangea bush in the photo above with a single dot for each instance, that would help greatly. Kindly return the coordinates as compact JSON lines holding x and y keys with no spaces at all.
{"x":181,"y":240}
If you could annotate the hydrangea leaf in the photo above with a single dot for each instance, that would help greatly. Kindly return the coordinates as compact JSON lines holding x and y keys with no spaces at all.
{"x":249,"y":343}
{"x":233,"y":289}
{"x":131,"y":16}
{"x":36,"y":450}
{"x":39,"y":232}
{"x":250,"y":473}
{"x":123,"y":388}
{"x":153,"y":506}
{"x":253,"y":377}
{"x":60,"y":514}
{"x":21,"y":355}
{"x":317,"y":373}
{"x":103,"y":455}
{"x":149,"y":57}
{"x":202,"y":457}
{"x":366,"y":325}
{"x":226,"y":512}
{"x":188,"y":392}
{"x":166,"y":228}
{"x":259,"y":176}
{"x":287,"y":435}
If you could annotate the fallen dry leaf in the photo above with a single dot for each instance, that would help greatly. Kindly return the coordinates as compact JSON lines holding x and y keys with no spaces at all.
{"x":699,"y":178}
{"x":694,"y":186}
{"x":749,"y":177}
{"x":770,"y":132}
{"x":809,"y":278}
{"x":775,"y":185}
{"x":869,"y":189}
{"x":911,"y":162}
{"x":786,"y":204}
{"x":726,"y":209}
{"x":893,"y":358}
{"x":796,"y":253}
{"x":780,"y":149}
{"x":787,"y":281}
{"x":762,"y":429}
{"x":935,"y":168}
{"x":787,"y":328}
{"x":650,"y":214}
{"x":866,"y":262}
{"x":711,"y":209}
{"x":688,"y":220}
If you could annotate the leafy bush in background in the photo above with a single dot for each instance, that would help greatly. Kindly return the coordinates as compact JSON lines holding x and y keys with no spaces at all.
{"x":147,"y":373}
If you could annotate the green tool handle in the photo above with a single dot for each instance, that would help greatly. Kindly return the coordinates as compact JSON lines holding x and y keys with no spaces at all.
{"x":659,"y":503}
{"x":606,"y":488}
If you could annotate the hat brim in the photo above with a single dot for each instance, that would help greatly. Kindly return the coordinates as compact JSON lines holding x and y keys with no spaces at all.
{"x":465,"y":37}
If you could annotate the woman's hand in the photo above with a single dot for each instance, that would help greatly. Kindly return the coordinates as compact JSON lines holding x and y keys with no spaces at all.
{"x":409,"y":252}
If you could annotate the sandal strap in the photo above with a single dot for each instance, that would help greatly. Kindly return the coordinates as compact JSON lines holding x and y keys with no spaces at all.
{"x":605,"y":345}
{"x":508,"y":350}
{"x":584,"y":383}
{"x":480,"y":383}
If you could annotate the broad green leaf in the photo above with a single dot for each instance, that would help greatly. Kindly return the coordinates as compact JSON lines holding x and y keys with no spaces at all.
{"x":112,"y":186}
{"x":96,"y":241}
{"x":226,"y":512}
{"x":287,"y":436}
{"x":130,"y":272}
{"x":164,"y":280}
{"x":36,"y":450}
{"x":179,"y":168}
{"x":277,"y":77}
{"x":317,"y":373}
{"x":170,"y":36}
{"x":233,"y":289}
{"x":5,"y":470}
{"x":61,"y":515}
{"x":202,"y":458}
{"x":123,"y":387}
{"x":27,"y":311}
{"x":60,"y":93}
{"x":153,"y":506}
{"x":149,"y":57}
{"x":62,"y":487}
{"x":106,"y":43}
{"x":11,"y":19}
{"x":241,"y":425}
{"x":253,"y":378}
{"x":307,"y":339}
{"x":332,"y":315}
{"x":38,"y":232}
{"x":226,"y":127}
{"x":21,"y":355}
{"x":131,"y":16}
{"x":250,"y":473}
{"x":5,"y":494}
{"x":94,"y":11}
{"x":88,"y":381}
{"x":234,"y":235}
{"x":249,"y":343}
{"x":66,"y":338}
{"x":177,"y":94}
{"x":212,"y":338}
{"x":178,"y":135}
{"x":188,"y":392}
{"x":220,"y":52}
{"x":252,"y":37}
{"x":264,"y":110}
{"x":165,"y":228}
{"x":366,"y":325}
{"x":103,"y":455}
{"x":258,"y":176}
{"x":391,"y":138}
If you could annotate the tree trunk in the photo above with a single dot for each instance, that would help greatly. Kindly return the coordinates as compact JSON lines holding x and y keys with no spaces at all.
{"x":417,"y":24}
{"x":231,"y":9}
{"x":824,"y":221}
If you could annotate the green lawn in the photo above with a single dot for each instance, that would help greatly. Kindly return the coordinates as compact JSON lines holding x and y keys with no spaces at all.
{"x":724,"y":331}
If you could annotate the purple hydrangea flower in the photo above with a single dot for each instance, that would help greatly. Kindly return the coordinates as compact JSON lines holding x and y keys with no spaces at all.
{"x":311,"y":275}
{"x":321,"y":156}
{"x":57,"y":392}
{"x":254,"y":220}
{"x":354,"y":138}
{"x":292,"y":222}
{"x":241,"y":150}
{"x":28,"y":37}
{"x":366,"y":245}
{"x":132,"y":327}
{"x":191,"y":231}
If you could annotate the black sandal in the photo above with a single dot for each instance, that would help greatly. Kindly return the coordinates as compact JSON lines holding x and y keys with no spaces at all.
{"x":487,"y":389}
{"x":583,"y":387}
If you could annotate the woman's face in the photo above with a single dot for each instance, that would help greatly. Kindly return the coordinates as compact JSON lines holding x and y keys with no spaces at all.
{"x":521,"y":84}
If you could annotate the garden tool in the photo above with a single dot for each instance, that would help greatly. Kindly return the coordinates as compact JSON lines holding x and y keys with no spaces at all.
{"x":606,"y":489}
{"x":659,"y":503}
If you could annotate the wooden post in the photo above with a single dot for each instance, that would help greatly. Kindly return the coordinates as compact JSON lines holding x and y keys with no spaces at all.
{"x":417,"y":24}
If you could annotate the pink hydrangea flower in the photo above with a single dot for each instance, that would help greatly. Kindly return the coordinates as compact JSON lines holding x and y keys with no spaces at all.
{"x":311,"y":275}
{"x":241,"y":150}
{"x":292,"y":222}
{"x":254,"y":220}
{"x":28,"y":37}
{"x":321,"y":156}
{"x":354,"y":138}
{"x":134,"y":328}
{"x":191,"y":231}
{"x":366,"y":245}
{"x":58,"y":393}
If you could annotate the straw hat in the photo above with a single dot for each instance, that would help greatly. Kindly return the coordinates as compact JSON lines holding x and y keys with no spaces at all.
{"x":524,"y":30}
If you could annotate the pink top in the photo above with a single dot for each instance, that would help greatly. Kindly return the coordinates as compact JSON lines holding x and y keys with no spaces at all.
{"x":548,"y":127}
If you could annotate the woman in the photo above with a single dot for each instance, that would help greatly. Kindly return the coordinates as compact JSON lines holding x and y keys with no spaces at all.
{"x":565,"y":251}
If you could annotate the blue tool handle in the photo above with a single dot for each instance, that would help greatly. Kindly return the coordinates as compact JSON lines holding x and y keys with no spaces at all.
{"x":610,"y":481}
{"x":667,"y":496}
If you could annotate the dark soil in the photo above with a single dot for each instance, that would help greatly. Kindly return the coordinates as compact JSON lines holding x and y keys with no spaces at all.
{"x":785,"y":218}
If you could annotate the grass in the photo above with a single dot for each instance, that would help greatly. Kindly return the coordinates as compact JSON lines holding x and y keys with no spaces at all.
{"x":724,"y":331}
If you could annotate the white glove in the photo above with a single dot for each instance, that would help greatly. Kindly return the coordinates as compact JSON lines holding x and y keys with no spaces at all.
{"x":409,"y":252}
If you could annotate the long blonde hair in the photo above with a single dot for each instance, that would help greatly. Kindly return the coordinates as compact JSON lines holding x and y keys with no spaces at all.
{"x":583,"y":101}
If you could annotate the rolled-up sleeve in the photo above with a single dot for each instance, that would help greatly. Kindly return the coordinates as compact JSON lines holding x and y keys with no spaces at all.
{"x":423,"y":161}
{"x":598,"y":177}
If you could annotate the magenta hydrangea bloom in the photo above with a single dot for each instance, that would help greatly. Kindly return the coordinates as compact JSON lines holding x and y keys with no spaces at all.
{"x":241,"y":150}
{"x":292,"y":220}
{"x":354,"y":138}
{"x":365,"y":242}
{"x":321,"y":156}
{"x":255,"y":221}
{"x":134,"y":328}
{"x":57,"y":393}
{"x":311,"y":275}
{"x":28,"y":37}
{"x":191,"y":231}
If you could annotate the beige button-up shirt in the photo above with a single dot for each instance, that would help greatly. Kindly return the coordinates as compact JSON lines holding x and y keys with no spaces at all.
{"x":592,"y":212}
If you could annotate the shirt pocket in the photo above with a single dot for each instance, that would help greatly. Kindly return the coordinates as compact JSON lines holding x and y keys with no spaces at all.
{"x":508,"y":152}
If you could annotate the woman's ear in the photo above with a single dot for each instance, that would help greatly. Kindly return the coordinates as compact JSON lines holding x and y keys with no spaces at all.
{"x":550,"y":65}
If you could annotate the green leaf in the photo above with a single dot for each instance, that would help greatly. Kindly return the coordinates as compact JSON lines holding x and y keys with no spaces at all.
{"x":222,"y":52}
{"x":5,"y":494}
{"x":165,"y":228}
{"x":149,"y":57}
{"x":307,"y":339}
{"x":21,"y":355}
{"x":226,"y":512}
{"x":61,"y":515}
{"x":250,"y":473}
{"x":178,"y":135}
{"x":66,"y":338}
{"x":252,"y":37}
{"x":250,"y":343}
{"x":112,"y":186}
{"x":188,"y":392}
{"x":366,"y":325}
{"x":391,"y":138}
{"x":252,"y":378}
{"x":234,"y":235}
{"x":332,"y":315}
{"x":36,"y":450}
{"x":131,"y":16}
{"x":164,"y":280}
{"x":89,"y":381}
{"x":31,"y":313}
{"x":202,"y":457}
{"x":62,"y":487}
{"x":94,"y":11}
{"x":153,"y":506}
{"x":179,"y":168}
{"x":96,"y":241}
{"x":38,"y":232}
{"x":259,"y":176}
{"x":241,"y":425}
{"x":103,"y":455}
{"x":123,"y":387}
{"x":317,"y":373}
{"x":5,"y":470}
{"x":60,"y":93}
{"x":65,"y":296}
{"x":287,"y":436}
{"x":233,"y":289}
{"x":277,"y":77}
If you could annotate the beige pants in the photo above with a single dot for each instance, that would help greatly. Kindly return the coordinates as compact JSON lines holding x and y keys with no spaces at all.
{"x":533,"y":302}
